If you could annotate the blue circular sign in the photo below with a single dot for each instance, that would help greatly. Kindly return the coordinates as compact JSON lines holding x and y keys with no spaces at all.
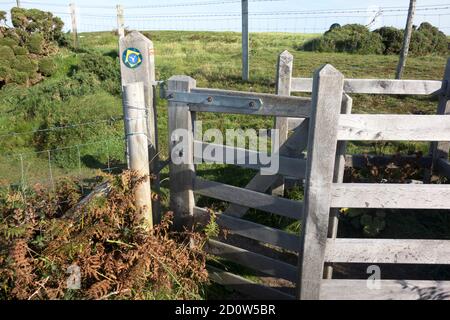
{"x":132,"y":58}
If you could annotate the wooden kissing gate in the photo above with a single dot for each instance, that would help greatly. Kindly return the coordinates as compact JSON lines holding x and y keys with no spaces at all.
{"x":321,"y":125}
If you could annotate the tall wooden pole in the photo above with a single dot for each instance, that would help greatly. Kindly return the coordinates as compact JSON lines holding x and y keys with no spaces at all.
{"x":73,"y":15}
{"x":120,"y":21}
{"x":245,"y":68}
{"x":406,"y":40}
{"x":18,"y":3}
{"x":136,"y":132}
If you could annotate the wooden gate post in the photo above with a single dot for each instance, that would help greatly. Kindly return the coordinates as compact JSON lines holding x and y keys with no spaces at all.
{"x":440,"y":150}
{"x":284,"y":78}
{"x":326,"y":108}
{"x":182,"y":174}
{"x":137,"y":46}
{"x":245,"y":59}
{"x":136,"y":133}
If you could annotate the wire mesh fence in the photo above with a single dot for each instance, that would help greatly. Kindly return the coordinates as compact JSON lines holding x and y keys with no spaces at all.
{"x":225,"y":15}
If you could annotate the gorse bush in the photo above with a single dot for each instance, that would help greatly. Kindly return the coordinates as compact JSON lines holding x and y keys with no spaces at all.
{"x":354,"y":38}
{"x":35,"y":35}
{"x":351,"y":38}
{"x":392,"y":39}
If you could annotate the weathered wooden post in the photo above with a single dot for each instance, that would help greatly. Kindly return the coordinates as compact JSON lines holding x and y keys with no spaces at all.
{"x":182,"y":172}
{"x":326,"y":108}
{"x":406,"y":40}
{"x":18,"y":3}
{"x":138,"y":65}
{"x":120,"y":21}
{"x":339,"y":170}
{"x":284,"y":79}
{"x":245,"y":62}
{"x":73,"y":16}
{"x":136,"y":134}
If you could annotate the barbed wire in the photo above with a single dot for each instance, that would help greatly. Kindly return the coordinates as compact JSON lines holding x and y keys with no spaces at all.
{"x":70,"y":126}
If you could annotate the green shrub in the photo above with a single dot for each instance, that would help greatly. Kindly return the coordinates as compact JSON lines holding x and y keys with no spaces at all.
{"x":47,"y":66}
{"x":351,"y":38}
{"x":392,"y":39}
{"x":19,"y":77}
{"x":36,"y":21}
{"x":35,"y":43}
{"x":5,"y":73}
{"x":430,"y":41}
{"x":8,"y":42}
{"x":7,"y":56}
{"x":104,"y":67}
{"x":26,"y":65}
{"x":20,"y":51}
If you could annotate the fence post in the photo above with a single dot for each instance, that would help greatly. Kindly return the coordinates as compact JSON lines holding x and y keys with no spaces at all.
{"x":245,"y":63}
{"x":120,"y":21}
{"x":142,"y":69}
{"x":18,"y":3}
{"x":73,"y":15}
{"x":182,"y":173}
{"x":339,"y":170}
{"x":326,"y":108}
{"x":440,"y":150}
{"x":284,"y":79}
{"x":136,"y":133}
{"x":406,"y":40}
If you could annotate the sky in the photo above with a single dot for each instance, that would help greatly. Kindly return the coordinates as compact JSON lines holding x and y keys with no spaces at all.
{"x":224,"y":15}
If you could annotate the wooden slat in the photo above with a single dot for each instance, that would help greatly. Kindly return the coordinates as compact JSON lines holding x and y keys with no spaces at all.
{"x":245,"y":286}
{"x":290,"y":167}
{"x":357,"y":127}
{"x":444,"y":167}
{"x":284,"y":207}
{"x":388,"y":251}
{"x":327,"y":104}
{"x":296,"y":143}
{"x":377,"y":86}
{"x":253,"y":260}
{"x":390,"y":196}
{"x":254,"y":231}
{"x":272,"y":105}
{"x":389,"y":290}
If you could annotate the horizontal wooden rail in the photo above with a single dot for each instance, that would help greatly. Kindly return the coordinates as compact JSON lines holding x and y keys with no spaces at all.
{"x":390,"y":196}
{"x":255,"y":290}
{"x":290,"y":167}
{"x":376,"y":86}
{"x":388,"y":251}
{"x":444,"y":167}
{"x":389,"y":290}
{"x":368,"y":127}
{"x":260,"y":201}
{"x":253,"y":230}
{"x":271,"y":105}
{"x":253,"y":260}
